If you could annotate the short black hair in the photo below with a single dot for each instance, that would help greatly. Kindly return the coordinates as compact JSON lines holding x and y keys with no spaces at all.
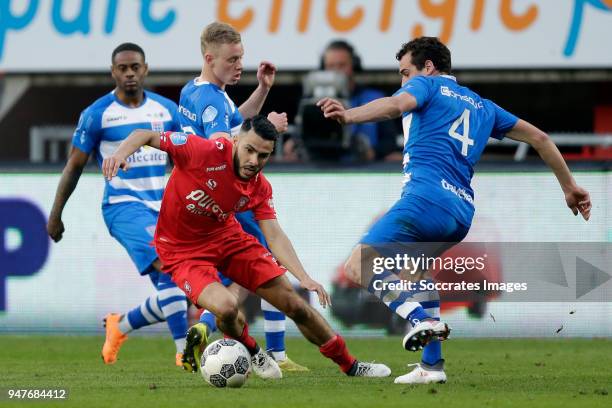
{"x":343,"y":45}
{"x":261,"y":126}
{"x":422,"y":49}
{"x":128,"y":46}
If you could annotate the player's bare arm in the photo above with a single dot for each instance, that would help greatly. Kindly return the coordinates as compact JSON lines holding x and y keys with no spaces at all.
{"x":380,"y":109}
{"x":283,"y":250}
{"x":577,"y":198}
{"x":68,"y":182}
{"x":136,"y":139}
{"x":266,"y":73}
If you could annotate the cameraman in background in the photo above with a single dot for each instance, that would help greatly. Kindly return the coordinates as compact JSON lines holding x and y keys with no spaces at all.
{"x":368,"y":141}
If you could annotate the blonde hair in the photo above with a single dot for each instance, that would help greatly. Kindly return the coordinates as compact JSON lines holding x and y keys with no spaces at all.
{"x":216,"y":34}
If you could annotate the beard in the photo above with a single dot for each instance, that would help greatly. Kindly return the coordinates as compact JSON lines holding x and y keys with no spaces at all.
{"x":237,"y":170}
{"x":131,"y":92}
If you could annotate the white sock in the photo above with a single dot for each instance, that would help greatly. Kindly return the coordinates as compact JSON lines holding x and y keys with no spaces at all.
{"x":124,"y":325}
{"x":279,"y":355}
{"x":180,"y":344}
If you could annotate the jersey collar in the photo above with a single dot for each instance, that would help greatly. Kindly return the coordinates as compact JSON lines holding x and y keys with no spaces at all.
{"x":451,"y":77}
{"x":144,"y":100}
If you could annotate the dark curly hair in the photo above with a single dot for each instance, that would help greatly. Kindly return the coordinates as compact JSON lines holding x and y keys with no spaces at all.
{"x":262,"y":127}
{"x":427,"y":48}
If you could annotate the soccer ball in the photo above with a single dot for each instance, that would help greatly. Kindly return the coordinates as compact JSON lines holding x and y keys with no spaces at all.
{"x":225,"y":363}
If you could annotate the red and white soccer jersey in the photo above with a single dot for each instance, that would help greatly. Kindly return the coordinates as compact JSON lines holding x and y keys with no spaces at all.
{"x":197,"y":233}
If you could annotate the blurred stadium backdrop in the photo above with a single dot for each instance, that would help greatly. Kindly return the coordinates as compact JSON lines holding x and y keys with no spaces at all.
{"x":549,"y":62}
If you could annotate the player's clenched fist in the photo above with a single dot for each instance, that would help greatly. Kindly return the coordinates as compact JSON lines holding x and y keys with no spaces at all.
{"x":55,"y":228}
{"x":111,"y":165}
{"x":333,"y":109}
{"x":279,"y":120}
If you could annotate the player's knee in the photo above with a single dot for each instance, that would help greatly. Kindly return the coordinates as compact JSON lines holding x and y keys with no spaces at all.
{"x":227,"y":310}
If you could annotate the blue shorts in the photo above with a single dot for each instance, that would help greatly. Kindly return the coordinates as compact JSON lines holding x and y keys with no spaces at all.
{"x":414,"y":219}
{"x":133,"y":225}
{"x":249,"y":225}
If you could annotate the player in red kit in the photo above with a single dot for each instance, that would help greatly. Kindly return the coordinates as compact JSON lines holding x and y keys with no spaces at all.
{"x":197,"y":234}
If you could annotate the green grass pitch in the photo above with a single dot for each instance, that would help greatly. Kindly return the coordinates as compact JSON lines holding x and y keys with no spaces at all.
{"x":482,"y":373}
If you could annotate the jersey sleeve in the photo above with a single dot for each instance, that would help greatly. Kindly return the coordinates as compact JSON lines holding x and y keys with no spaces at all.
{"x":175,"y":124}
{"x":215,"y":116}
{"x":420,"y":88}
{"x":504,"y":122}
{"x":236,"y":122}
{"x":184,"y":148}
{"x":264,"y":209}
{"x":87,"y":133}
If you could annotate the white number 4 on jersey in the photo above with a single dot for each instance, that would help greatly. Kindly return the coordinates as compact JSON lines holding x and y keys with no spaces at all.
{"x":465,"y":137}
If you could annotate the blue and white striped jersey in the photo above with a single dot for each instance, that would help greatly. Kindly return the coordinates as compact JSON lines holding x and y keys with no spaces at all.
{"x":106,"y":123}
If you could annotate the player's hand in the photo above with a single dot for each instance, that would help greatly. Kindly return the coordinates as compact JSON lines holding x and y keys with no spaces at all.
{"x":311,"y":285}
{"x":279,"y":120}
{"x":266,"y":72}
{"x":111,"y":165}
{"x":579,"y":201}
{"x":55,"y":228}
{"x":333,"y":109}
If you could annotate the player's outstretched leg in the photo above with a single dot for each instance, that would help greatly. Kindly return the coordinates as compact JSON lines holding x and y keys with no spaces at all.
{"x":275,"y":324}
{"x":274,"y":319}
{"x":431,"y":367}
{"x":405,"y":303}
{"x":173,"y":305}
{"x":421,"y":309}
{"x":119,"y":325}
{"x":280,"y":293}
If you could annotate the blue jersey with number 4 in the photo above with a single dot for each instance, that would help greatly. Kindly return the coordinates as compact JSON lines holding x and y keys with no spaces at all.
{"x":205,"y":108}
{"x":444,"y":137}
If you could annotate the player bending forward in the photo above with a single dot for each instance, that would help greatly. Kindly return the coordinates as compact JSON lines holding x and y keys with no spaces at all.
{"x":446,"y":128}
{"x":197,"y":234}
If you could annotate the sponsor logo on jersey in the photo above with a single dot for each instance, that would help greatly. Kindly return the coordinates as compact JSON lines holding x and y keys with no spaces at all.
{"x":446,"y":91}
{"x":186,"y":112}
{"x":209,"y":114}
{"x":459,"y":192}
{"x":216,"y":168}
{"x":178,"y":138}
{"x":187,"y":287}
{"x":116,"y":118}
{"x":205,"y":205}
{"x":212,"y":184}
{"x":242,"y":201}
{"x":219,"y":144}
{"x":146,"y":154}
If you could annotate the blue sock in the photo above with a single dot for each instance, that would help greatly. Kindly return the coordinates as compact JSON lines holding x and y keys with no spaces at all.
{"x":274,"y":326}
{"x":173,"y":304}
{"x":209,"y":320}
{"x":432,"y":353}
